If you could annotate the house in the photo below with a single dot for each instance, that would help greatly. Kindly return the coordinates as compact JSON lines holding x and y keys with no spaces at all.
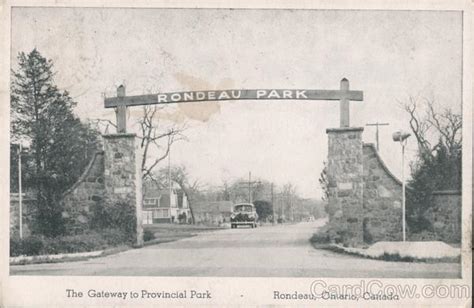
{"x":212,"y":213}
{"x":159,"y":207}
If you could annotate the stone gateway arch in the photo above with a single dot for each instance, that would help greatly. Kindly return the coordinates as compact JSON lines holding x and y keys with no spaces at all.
{"x":124,"y":145}
{"x":364,"y":201}
{"x":364,"y":197}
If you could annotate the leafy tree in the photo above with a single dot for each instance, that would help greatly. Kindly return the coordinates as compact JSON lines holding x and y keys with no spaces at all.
{"x":263,"y":208}
{"x":438,"y":165}
{"x":323,"y":182}
{"x":60,"y":145}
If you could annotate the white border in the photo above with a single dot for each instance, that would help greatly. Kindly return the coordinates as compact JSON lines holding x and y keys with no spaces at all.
{"x":49,"y":290}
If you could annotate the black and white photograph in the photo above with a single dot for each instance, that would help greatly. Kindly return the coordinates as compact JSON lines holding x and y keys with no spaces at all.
{"x":183,"y":142}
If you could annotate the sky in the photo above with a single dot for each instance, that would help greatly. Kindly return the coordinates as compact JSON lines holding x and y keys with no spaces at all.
{"x":389,"y":55}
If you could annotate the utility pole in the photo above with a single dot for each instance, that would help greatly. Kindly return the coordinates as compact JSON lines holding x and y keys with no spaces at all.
{"x":281,"y":205}
{"x":170,"y":189}
{"x":273,"y":207}
{"x":20,"y":197}
{"x":249,"y":185}
{"x":290,"y":203}
{"x":403,"y":190}
{"x":377,"y":124}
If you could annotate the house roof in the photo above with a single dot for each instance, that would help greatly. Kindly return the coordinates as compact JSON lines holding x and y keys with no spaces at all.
{"x":152,"y":193}
{"x":213,"y":206}
{"x":158,"y":193}
{"x":153,"y":190}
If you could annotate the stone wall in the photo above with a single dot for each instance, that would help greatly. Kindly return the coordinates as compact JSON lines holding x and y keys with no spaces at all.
{"x":382,"y":199}
{"x":28,"y":202}
{"x":345,"y":184}
{"x":112,"y":177}
{"x":365,"y":198}
{"x":79,"y":200}
{"x":445,"y":217}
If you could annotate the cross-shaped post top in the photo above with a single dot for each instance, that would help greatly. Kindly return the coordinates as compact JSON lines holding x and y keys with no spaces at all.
{"x":121,"y":91}
{"x":343,"y":95}
{"x":121,"y":110}
{"x":344,"y":112}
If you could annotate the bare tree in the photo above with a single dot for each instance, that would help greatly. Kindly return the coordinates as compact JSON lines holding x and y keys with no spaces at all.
{"x":427,"y":123}
{"x":289,"y":193}
{"x":154,"y":137}
{"x":439,"y":162}
{"x":448,"y":124}
{"x":102,"y":125}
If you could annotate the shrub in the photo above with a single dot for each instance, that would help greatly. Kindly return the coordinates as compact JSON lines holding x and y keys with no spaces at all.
{"x":31,"y":245}
{"x":396,"y":257}
{"x":75,"y":243}
{"x":148,"y":235}
{"x":90,"y":241}
{"x":15,"y":246}
{"x":322,"y":236}
{"x":98,"y":219}
{"x":26,"y":246}
{"x":422,"y":236}
{"x":123,"y":217}
{"x":114,"y":236}
{"x":119,"y":217}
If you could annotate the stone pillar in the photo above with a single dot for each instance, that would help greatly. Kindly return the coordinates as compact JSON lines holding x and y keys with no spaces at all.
{"x":123,"y":175}
{"x":345,"y":177}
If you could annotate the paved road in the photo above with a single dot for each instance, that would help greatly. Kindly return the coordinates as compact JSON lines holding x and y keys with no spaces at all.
{"x":276,"y":251}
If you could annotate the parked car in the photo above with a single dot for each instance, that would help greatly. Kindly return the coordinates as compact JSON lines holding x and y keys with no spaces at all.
{"x":243,"y":214}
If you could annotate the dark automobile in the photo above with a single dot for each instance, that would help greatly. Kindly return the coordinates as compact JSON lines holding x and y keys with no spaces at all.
{"x":243,"y":214}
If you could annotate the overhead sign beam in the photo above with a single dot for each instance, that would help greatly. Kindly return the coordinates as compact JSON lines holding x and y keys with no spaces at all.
{"x":122,"y":102}
{"x":226,"y":95}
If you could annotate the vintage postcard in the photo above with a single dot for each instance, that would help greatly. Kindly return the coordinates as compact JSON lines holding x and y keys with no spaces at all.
{"x":162,"y":153}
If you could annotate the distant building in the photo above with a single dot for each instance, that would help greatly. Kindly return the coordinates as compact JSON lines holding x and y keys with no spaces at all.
{"x":212,"y":213}
{"x":158,"y":207}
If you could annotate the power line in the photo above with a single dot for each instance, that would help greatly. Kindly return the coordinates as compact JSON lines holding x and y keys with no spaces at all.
{"x":250,"y":184}
{"x":377,"y":124}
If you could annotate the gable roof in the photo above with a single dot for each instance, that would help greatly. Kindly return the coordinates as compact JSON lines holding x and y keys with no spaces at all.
{"x":212,"y":206}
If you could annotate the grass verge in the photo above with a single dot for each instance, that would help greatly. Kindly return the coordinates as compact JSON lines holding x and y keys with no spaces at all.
{"x":385,"y":257}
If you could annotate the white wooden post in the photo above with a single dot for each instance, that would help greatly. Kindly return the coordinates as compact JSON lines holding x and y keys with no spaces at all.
{"x":121,"y":112}
{"x":344,"y":118}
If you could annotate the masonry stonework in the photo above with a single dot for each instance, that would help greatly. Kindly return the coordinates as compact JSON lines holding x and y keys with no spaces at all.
{"x":123,"y":175}
{"x":445,"y":217}
{"x":112,"y":177}
{"x":382,"y":199}
{"x":345,"y":184}
{"x":365,"y":198}
{"x":79,"y":200}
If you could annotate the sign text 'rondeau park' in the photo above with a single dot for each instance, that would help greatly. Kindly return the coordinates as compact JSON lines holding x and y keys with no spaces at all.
{"x":224,"y":95}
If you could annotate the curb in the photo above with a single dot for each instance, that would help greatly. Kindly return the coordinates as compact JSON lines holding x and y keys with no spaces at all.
{"x":385,"y":257}
{"x":67,"y":257}
{"x":58,"y":257}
